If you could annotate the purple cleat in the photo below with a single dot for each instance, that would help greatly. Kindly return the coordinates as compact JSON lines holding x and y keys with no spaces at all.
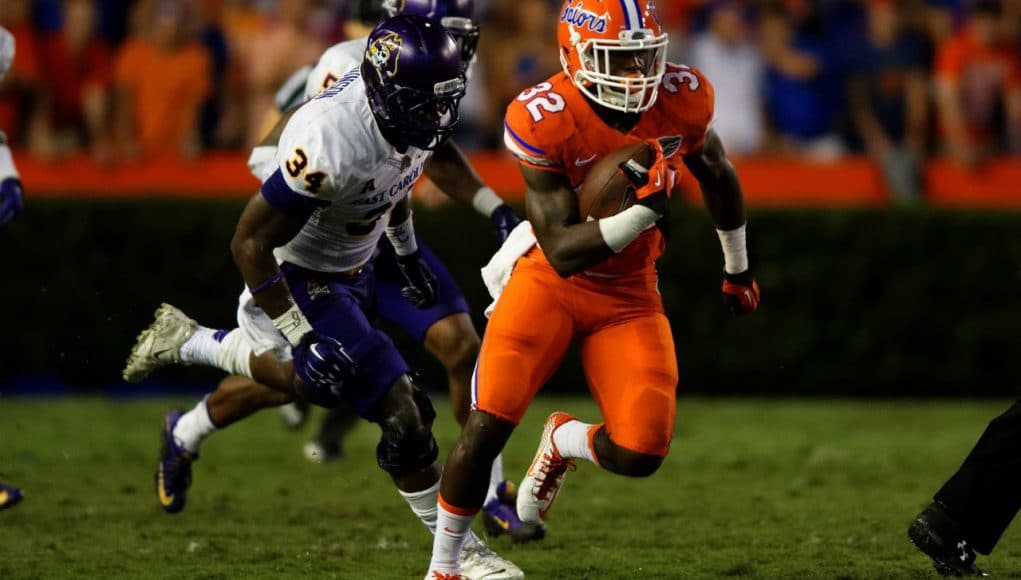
{"x":173,"y":474}
{"x":9,"y":496}
{"x":500,"y":517}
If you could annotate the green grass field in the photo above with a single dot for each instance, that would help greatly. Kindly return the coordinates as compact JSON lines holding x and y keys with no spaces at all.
{"x":752,"y":488}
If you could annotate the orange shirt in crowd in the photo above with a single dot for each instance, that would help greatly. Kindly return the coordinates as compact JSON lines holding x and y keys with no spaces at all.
{"x":167,"y":90}
{"x":982,"y":74}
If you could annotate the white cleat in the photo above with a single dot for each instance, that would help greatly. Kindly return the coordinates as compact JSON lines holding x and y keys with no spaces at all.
{"x":545,"y":477}
{"x":160,"y":344}
{"x":478,"y":562}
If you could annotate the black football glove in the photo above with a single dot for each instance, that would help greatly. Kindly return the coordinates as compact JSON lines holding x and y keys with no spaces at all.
{"x":421,"y":289}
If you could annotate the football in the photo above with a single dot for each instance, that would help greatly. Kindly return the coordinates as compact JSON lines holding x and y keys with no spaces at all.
{"x":606,"y":190}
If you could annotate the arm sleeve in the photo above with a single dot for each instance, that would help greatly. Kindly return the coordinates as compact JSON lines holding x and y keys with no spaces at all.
{"x":311,"y":157}
{"x":535,"y":142}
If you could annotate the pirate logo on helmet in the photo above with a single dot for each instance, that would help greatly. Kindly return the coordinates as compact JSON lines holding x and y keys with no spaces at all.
{"x":384,"y":54}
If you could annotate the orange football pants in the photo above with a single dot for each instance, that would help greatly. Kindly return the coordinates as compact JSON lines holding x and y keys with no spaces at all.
{"x":627,"y":349}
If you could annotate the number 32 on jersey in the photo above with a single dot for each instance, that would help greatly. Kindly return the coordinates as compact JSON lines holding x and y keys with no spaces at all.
{"x":540,"y":99}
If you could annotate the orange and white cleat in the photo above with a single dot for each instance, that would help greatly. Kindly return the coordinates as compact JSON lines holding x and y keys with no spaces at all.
{"x":545,"y":477}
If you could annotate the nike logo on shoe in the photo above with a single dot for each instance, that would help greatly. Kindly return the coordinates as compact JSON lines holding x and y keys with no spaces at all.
{"x":165,"y":499}
{"x":580,"y":162}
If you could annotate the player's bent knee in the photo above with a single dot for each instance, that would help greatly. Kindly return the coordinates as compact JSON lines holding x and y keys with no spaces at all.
{"x":482,"y":437}
{"x":624,"y":459}
{"x":407,"y":445}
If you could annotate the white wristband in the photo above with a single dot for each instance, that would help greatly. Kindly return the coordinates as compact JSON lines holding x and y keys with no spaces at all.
{"x":260,"y":157}
{"x":735,"y":250}
{"x":619,"y":230}
{"x":292,"y":324}
{"x":486,"y":201}
{"x":402,"y":237}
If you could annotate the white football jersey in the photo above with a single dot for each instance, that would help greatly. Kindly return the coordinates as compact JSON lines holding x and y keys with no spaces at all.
{"x":335,"y":62}
{"x":7,"y":51}
{"x":332,"y":151}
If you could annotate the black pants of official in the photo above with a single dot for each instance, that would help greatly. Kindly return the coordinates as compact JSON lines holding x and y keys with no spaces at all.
{"x":985,"y":493}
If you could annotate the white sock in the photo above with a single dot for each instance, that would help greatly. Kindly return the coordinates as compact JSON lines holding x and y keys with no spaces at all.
{"x":203,"y":347}
{"x":235,"y":354}
{"x":573,"y":439}
{"x":495,"y":478}
{"x":423,"y":503}
{"x":193,"y":427}
{"x":451,"y":529}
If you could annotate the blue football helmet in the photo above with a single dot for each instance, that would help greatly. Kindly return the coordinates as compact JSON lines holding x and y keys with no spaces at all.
{"x":456,"y":16}
{"x":415,"y":79}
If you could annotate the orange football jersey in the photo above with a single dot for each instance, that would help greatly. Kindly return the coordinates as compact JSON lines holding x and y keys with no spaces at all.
{"x":551,"y":126}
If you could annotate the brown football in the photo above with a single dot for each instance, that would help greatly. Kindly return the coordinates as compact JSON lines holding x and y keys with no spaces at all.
{"x":606,"y":190}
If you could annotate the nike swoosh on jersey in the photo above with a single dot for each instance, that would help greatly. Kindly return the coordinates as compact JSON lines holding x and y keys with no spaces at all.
{"x":580,"y":162}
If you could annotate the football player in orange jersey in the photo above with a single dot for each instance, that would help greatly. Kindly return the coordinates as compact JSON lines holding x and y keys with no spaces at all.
{"x":594,"y":280}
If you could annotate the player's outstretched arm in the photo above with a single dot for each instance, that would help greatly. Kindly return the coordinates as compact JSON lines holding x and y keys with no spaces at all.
{"x":721,"y":192}
{"x":552,"y":210}
{"x":451,"y":171}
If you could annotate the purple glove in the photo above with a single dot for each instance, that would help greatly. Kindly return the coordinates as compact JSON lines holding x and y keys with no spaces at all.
{"x":11,"y":200}
{"x":505,"y":220}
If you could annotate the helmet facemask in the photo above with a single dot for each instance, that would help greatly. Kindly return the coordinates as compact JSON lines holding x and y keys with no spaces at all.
{"x":420,"y":118}
{"x":465,"y":33}
{"x":640,"y":50}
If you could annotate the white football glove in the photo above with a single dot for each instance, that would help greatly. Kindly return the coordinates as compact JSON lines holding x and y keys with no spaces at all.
{"x":6,"y":51}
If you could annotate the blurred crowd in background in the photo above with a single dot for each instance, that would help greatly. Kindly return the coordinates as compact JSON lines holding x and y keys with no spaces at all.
{"x":896,"y":80}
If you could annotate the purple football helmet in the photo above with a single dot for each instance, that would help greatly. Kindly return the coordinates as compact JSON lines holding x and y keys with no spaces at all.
{"x":414,"y":79}
{"x":456,"y":16}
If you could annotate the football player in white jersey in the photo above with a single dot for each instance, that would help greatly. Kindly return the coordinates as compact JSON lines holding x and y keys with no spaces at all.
{"x":304,"y":246}
{"x":444,"y":329}
{"x":10,"y":207}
